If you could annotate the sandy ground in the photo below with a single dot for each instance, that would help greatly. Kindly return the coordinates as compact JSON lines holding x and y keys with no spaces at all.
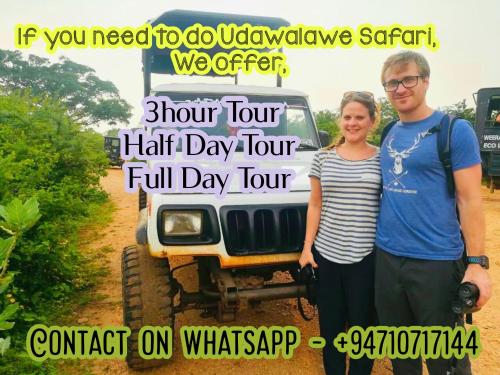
{"x":108,"y":311}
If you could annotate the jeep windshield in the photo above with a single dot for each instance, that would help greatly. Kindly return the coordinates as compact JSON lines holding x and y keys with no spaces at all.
{"x":296,"y":121}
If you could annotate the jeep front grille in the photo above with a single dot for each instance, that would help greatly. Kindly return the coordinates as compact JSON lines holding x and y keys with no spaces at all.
{"x":239,"y":234}
{"x":263,"y":229}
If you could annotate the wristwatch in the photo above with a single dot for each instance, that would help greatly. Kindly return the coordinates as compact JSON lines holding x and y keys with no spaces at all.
{"x":482,"y":260}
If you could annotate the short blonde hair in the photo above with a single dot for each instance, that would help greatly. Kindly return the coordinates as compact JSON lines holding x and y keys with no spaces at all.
{"x":404,"y":58}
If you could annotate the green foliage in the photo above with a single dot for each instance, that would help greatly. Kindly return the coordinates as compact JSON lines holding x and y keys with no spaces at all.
{"x":7,"y":314}
{"x":113,"y":132}
{"x":460,"y":109}
{"x":7,"y":278}
{"x":87,"y":99}
{"x":6,"y":245}
{"x":4,"y":345}
{"x":17,"y":218}
{"x":387,"y":114}
{"x":326,"y":120}
{"x":47,"y":155}
{"x":16,"y":363}
{"x":42,"y":151}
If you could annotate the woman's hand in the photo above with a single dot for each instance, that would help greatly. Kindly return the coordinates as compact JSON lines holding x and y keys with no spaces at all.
{"x":307,"y":258}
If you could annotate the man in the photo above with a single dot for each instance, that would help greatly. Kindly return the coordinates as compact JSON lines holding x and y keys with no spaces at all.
{"x":419,"y":247}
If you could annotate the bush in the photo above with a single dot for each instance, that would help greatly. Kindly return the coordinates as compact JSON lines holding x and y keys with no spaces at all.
{"x":44,"y":154}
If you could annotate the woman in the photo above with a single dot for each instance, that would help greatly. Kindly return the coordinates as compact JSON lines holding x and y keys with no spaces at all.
{"x":340,"y":233}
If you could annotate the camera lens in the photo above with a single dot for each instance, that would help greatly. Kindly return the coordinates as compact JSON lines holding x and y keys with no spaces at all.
{"x":467,"y":296}
{"x":457,"y":307}
{"x":468,"y":290}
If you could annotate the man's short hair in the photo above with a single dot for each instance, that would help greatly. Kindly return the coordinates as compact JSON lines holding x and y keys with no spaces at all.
{"x":404,"y":58}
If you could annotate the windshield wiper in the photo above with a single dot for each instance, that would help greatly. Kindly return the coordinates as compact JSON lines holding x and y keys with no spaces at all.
{"x":306,"y":146}
{"x":302,"y":146}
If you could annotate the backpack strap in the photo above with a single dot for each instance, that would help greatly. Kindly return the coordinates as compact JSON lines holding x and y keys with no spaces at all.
{"x":386,"y":130}
{"x":445,"y":129}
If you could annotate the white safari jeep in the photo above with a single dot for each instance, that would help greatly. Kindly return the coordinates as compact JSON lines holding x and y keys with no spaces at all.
{"x":240,"y":238}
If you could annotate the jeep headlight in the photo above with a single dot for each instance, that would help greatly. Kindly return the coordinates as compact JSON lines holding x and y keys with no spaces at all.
{"x":182,"y":223}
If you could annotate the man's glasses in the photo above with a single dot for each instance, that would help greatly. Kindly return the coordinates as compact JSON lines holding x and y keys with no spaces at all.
{"x":408,"y":82}
{"x":365,"y":94}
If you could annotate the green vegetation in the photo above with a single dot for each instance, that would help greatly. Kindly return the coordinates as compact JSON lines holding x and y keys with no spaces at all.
{"x":17,"y":218}
{"x":49,"y":156}
{"x":44,"y":154}
{"x":88,"y":100}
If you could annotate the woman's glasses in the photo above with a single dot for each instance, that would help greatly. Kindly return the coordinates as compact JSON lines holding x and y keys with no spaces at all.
{"x":363,"y":94}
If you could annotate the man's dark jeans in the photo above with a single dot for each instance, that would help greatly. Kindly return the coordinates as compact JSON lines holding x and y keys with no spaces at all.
{"x":415,"y":292}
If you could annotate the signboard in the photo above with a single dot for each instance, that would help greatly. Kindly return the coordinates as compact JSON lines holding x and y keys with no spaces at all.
{"x":490,"y":140}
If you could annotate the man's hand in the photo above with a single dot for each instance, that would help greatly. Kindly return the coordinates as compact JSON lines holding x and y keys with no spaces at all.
{"x":478,"y":275}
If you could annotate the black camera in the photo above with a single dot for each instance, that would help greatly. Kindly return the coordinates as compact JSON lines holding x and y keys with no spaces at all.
{"x":307,"y":274}
{"x":309,"y":277}
{"x":467,"y":296}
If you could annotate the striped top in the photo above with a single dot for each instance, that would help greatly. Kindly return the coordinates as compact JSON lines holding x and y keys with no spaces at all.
{"x":350,"y":205}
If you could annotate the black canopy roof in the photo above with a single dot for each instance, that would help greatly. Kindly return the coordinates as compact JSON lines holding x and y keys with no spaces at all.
{"x":489,"y":96}
{"x":160,"y":58}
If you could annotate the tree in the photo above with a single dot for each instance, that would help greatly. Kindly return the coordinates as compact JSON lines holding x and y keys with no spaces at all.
{"x":113,"y":132}
{"x":327,"y":120}
{"x":46,"y":155}
{"x":88,"y":100}
{"x":387,"y":114}
{"x":460,"y":109}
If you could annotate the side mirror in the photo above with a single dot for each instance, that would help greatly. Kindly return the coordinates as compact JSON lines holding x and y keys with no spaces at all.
{"x":324,"y":138}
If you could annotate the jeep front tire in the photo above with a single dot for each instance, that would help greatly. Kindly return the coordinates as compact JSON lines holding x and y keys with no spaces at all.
{"x":147,"y":291}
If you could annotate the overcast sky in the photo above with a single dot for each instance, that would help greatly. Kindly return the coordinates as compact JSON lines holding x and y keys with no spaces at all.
{"x":468,"y":31}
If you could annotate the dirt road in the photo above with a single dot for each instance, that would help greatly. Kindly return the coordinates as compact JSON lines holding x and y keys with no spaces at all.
{"x":108,"y":312}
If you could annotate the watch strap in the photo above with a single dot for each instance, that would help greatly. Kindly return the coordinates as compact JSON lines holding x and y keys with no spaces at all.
{"x":482,"y":260}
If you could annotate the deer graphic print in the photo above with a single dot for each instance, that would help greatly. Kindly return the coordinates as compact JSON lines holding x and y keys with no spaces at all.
{"x":397,"y":169}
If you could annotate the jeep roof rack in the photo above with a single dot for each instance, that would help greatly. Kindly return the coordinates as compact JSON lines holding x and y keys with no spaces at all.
{"x":226,"y":89}
{"x":155,"y":60}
